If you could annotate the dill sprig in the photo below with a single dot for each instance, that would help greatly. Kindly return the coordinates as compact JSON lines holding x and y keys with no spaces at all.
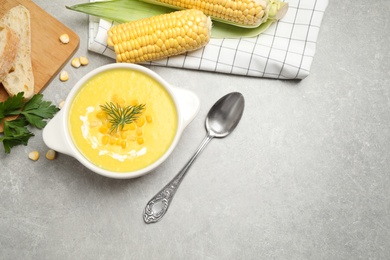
{"x":119,"y":116}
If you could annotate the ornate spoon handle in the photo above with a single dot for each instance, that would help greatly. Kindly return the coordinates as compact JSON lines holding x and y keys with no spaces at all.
{"x":158,"y":205}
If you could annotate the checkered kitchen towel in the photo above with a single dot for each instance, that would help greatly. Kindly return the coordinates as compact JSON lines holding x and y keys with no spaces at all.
{"x":285,"y":50}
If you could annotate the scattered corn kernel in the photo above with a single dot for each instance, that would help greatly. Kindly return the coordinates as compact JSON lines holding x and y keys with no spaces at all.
{"x":84,"y":60}
{"x":76,"y":62}
{"x":64,"y":38}
{"x":64,"y":76}
{"x":51,"y":155}
{"x":123,"y":144}
{"x":139,"y":131}
{"x":61,"y":104}
{"x":34,"y":155}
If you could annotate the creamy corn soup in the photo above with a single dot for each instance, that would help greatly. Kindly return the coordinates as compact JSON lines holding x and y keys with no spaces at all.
{"x":133,"y":145}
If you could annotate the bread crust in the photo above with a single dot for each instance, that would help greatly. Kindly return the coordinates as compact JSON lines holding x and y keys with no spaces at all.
{"x":21,"y":78}
{"x":10,"y":42}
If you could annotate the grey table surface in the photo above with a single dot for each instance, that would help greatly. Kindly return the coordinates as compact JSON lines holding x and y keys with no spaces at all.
{"x":304,"y":176}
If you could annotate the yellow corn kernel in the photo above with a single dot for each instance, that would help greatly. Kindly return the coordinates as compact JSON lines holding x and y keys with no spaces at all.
{"x":76,"y":62}
{"x":118,"y":100}
{"x":139,"y":132}
{"x":123,"y":144}
{"x":84,"y":61}
{"x":114,"y":97}
{"x":132,"y":126}
{"x":104,"y":129}
{"x":149,"y":119}
{"x":101,"y":115}
{"x":112,"y":140}
{"x":134,"y":102}
{"x":64,"y":38}
{"x":126,"y":127}
{"x":124,"y":135}
{"x":140,"y":140}
{"x":34,"y":155}
{"x":51,"y":155}
{"x":105,"y":139}
{"x":140,"y":121}
{"x":140,"y":45}
{"x":121,"y":102}
{"x":64,"y":76}
{"x":118,"y":142}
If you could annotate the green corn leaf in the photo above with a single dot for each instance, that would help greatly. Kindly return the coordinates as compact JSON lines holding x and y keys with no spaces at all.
{"x":120,"y":10}
{"x":223,"y":30}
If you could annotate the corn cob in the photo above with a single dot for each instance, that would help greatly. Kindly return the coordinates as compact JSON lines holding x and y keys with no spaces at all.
{"x":160,"y":36}
{"x":244,"y":13}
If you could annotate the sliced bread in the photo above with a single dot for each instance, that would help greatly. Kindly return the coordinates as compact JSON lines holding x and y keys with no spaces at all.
{"x":9,"y":43}
{"x":21,"y":77}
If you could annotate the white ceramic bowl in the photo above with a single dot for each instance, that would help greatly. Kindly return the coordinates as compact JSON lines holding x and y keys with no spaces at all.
{"x":57,"y":136}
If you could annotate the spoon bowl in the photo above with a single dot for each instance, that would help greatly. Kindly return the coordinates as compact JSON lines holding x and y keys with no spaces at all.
{"x":225,"y":115}
{"x":221,"y":120}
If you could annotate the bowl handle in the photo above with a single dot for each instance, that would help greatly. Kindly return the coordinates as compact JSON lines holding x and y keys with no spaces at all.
{"x":54,"y":134}
{"x":188,"y":102}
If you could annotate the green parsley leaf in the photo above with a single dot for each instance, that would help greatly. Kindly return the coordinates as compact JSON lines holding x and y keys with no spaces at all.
{"x":15,"y":133}
{"x":11,"y":106}
{"x":36,"y":111}
{"x":15,"y":126}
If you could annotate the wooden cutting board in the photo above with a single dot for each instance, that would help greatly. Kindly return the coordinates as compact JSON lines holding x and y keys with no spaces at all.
{"x":49,"y":55}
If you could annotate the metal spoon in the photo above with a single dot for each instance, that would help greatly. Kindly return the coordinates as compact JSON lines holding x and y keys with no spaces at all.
{"x":221,"y":120}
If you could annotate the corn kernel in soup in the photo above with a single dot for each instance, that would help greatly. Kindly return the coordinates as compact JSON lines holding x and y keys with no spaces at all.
{"x":133,"y":145}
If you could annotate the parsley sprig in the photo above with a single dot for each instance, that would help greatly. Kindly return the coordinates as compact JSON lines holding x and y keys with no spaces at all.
{"x":119,"y":116}
{"x":34,"y":112}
